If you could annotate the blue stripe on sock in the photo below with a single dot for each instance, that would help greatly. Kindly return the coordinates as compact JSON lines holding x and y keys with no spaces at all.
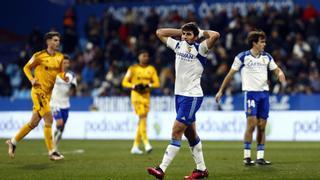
{"x":247,"y":145}
{"x":195,"y":142}
{"x":175,"y":142}
{"x":260,"y":147}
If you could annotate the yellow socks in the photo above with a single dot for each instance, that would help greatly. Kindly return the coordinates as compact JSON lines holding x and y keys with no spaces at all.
{"x":137,"y":139}
{"x":143,"y":131}
{"x":23,"y":132}
{"x":48,"y":136}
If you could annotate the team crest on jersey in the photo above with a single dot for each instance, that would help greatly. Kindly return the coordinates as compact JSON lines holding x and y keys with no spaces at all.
{"x":249,"y":111}
{"x":189,"y":49}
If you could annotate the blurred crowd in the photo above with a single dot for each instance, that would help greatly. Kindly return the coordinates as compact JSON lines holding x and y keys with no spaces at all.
{"x":110,"y":46}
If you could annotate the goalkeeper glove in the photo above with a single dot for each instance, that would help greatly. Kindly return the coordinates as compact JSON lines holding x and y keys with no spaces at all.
{"x":139,"y":87}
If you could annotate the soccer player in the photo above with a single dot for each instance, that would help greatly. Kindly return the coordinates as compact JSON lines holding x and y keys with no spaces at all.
{"x":189,"y":64}
{"x":65,"y":85}
{"x":254,"y":65}
{"x":41,"y":70}
{"x":140,"y":78}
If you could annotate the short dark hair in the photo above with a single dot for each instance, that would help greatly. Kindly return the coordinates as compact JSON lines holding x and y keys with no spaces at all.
{"x":51,"y":34}
{"x":141,"y":51}
{"x":191,"y":26}
{"x":66,"y":56}
{"x":255,"y":35}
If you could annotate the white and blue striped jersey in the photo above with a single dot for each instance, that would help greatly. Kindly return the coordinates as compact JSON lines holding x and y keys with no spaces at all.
{"x":60,"y":92}
{"x":189,"y":65}
{"x":254,"y":70}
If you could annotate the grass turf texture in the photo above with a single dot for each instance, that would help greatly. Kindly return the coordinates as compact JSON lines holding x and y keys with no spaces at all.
{"x":105,"y":159}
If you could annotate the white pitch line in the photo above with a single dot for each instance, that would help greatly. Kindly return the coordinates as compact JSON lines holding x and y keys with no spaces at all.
{"x":76,"y":151}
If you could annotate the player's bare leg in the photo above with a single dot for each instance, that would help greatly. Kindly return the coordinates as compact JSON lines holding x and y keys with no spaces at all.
{"x":53,"y":155}
{"x":25,"y":129}
{"x":261,"y":138}
{"x":196,"y":150}
{"x":251,"y":124}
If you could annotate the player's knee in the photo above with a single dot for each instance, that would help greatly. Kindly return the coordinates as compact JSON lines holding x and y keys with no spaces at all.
{"x":250,"y":128}
{"x":33,"y":124}
{"x":60,"y":128}
{"x":47,"y":124}
{"x":143,"y":130}
{"x":193,"y":141}
{"x":177,"y":134}
{"x":261,"y":128}
{"x":142,"y":116}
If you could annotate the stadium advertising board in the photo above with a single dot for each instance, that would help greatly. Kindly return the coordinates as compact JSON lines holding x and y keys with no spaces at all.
{"x":212,"y":125}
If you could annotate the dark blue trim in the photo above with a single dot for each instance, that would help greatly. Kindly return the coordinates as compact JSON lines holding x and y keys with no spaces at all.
{"x":177,"y":45}
{"x":268,"y":55}
{"x":175,"y":142}
{"x":260,"y":147}
{"x":247,"y":145}
{"x":242,"y":55}
{"x":202,"y":59}
{"x":195,"y":142}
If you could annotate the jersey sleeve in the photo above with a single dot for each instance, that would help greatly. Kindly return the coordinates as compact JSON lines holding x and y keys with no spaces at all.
{"x":126,"y":82}
{"x":236,"y":64}
{"x":272,"y":65}
{"x":72,"y":77}
{"x":172,"y":43}
{"x":203,"y":49}
{"x":33,"y":62}
{"x":155,"y":79}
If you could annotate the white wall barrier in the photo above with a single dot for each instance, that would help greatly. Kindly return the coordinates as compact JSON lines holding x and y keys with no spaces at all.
{"x":212,"y":125}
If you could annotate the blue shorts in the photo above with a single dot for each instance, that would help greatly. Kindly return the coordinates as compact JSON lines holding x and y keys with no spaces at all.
{"x":257,"y":104}
{"x":186,"y":108}
{"x":61,"y":114}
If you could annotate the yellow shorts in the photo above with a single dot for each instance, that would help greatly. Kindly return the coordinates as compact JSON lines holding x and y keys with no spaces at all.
{"x":41,"y":102}
{"x":141,"y":108}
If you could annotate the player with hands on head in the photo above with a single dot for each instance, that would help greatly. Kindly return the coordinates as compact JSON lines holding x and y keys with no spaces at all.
{"x":190,"y":62}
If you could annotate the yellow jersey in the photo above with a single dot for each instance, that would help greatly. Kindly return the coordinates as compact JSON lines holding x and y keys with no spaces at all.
{"x":46,"y":67}
{"x":138,"y":74}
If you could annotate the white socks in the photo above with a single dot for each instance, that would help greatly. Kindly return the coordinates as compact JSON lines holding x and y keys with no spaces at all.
{"x":247,"y":153}
{"x":260,"y":154}
{"x":198,"y":156}
{"x":169,"y":155}
{"x":14,"y":141}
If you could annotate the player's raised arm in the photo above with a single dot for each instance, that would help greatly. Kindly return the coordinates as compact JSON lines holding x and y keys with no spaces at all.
{"x":164,"y":33}
{"x":211,"y":37}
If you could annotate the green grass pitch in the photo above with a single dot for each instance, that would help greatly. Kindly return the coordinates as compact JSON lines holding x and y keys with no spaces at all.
{"x":105,"y":159}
